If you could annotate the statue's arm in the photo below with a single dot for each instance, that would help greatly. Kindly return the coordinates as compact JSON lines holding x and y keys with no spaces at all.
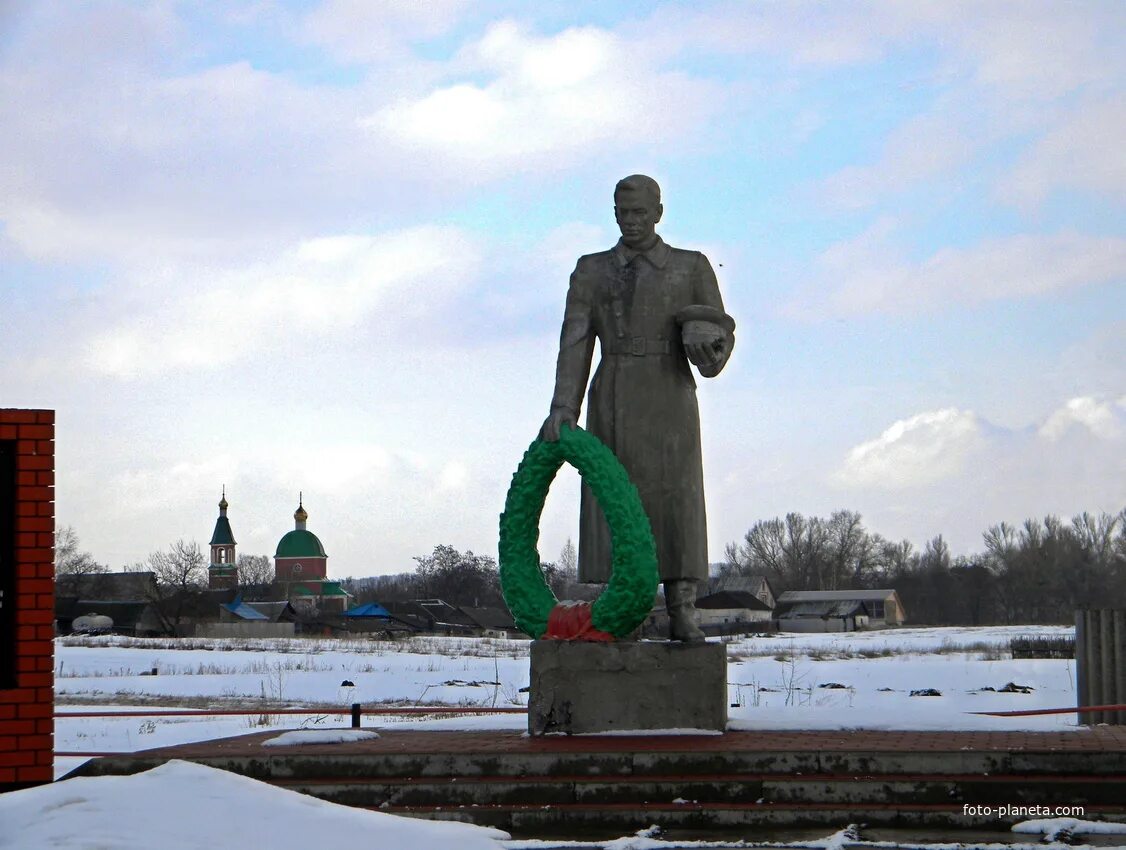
{"x":576,"y":348}
{"x":707,"y":292}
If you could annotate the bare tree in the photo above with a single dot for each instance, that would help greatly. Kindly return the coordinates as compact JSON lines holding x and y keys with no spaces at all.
{"x":459,"y":579}
{"x":255,"y":575}
{"x":569,"y":558}
{"x":74,"y":568}
{"x":180,"y":575}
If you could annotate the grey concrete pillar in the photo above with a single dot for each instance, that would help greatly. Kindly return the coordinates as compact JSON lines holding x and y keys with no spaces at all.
{"x":1120,"y":664}
{"x":1100,"y":658}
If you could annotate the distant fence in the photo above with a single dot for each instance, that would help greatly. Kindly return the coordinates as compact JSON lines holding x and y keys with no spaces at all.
{"x":248,"y":629}
{"x":1100,"y":656}
{"x":355,"y":711}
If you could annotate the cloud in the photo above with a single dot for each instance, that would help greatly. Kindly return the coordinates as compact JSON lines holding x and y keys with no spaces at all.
{"x":319,"y":287}
{"x":997,"y":88}
{"x":1101,"y":417}
{"x":344,"y":468}
{"x":547,"y":100}
{"x":364,"y":31}
{"x":1084,"y":151}
{"x":913,"y":452}
{"x":951,"y":471}
{"x":923,"y":148}
{"x":156,"y":488}
{"x":868,"y":274}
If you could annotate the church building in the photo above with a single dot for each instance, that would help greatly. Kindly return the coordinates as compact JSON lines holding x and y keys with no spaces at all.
{"x":222,"y":574}
{"x":301,"y":569}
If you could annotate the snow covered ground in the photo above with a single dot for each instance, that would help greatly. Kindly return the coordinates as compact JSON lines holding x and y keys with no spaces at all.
{"x":775,"y":682}
{"x":184,"y":806}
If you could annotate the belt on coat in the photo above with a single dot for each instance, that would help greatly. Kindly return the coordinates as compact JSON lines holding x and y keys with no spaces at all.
{"x":637,"y":346}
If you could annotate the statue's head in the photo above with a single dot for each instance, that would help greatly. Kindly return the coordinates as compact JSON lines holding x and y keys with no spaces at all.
{"x":637,"y":209}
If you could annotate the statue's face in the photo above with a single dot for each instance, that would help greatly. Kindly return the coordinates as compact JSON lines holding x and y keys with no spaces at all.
{"x":637,"y":215}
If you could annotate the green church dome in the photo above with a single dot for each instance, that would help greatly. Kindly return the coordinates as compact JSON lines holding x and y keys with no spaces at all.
{"x":300,"y":543}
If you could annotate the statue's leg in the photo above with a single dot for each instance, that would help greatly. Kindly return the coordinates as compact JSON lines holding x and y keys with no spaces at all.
{"x":680,"y":602}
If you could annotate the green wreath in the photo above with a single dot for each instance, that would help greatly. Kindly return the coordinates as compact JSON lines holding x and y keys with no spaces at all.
{"x":628,"y":597}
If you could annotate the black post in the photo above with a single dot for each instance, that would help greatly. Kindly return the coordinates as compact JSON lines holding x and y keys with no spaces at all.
{"x":355,"y":715}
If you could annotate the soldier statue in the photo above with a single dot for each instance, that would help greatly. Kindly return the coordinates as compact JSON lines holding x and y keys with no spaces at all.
{"x":654,"y":310}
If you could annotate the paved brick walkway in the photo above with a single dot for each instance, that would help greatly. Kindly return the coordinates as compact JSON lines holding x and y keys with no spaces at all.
{"x":1098,"y":739}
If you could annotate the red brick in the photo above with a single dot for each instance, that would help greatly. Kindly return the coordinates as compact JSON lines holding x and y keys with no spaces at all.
{"x":46,"y":725}
{"x":27,"y":479}
{"x":44,"y":447}
{"x":46,"y":509}
{"x":7,"y":743}
{"x":25,"y":634}
{"x":34,"y":617}
{"x":36,"y":462}
{"x":7,"y":712}
{"x":46,"y":571}
{"x":35,"y":556}
{"x":35,"y":680}
{"x":27,"y":664}
{"x":16,"y":416}
{"x":27,"y":541}
{"x":36,"y":494}
{"x":46,"y":695}
{"x":28,"y":571}
{"x":45,"y":417}
{"x":31,"y":645}
{"x":35,"y":523}
{"x":46,"y":479}
{"x":17,"y":759}
{"x":7,"y":432}
{"x":46,"y":757}
{"x":35,"y":742}
{"x":38,"y":585}
{"x":37,"y":432}
{"x":26,"y":509}
{"x":45,"y":600}
{"x":25,"y":446}
{"x":36,"y":710}
{"x":33,"y":774}
{"x":17,"y":727}
{"x":7,"y":774}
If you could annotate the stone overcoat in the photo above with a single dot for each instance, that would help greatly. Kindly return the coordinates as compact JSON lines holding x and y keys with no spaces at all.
{"x":642,"y":400}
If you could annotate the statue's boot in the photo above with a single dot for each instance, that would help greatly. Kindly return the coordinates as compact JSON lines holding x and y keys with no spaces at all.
{"x":680,"y":602}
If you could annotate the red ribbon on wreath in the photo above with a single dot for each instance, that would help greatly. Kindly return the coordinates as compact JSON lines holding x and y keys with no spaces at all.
{"x":572,"y":621}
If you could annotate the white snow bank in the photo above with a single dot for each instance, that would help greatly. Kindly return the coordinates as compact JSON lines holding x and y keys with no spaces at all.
{"x":1051,"y":828}
{"x":184,"y":806}
{"x":320,"y":736}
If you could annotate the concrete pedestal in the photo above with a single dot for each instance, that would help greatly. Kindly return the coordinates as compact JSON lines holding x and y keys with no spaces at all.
{"x":579,"y":687}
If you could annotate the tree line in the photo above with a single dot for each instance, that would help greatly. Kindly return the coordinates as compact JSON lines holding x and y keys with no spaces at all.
{"x":1038,"y":572}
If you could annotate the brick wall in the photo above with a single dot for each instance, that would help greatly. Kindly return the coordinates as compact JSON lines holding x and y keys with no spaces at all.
{"x":27,"y":605}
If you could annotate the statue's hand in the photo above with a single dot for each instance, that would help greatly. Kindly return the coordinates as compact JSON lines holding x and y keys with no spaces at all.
{"x":705,"y":355}
{"x":558,"y":417}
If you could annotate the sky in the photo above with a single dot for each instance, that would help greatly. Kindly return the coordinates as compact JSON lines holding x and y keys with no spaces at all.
{"x":323,"y":248}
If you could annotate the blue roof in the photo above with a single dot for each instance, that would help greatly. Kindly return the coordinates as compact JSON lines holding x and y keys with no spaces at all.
{"x":243,"y":611}
{"x":372,"y":609}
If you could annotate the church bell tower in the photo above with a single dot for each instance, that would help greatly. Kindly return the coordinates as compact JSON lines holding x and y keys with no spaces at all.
{"x":221,"y":575}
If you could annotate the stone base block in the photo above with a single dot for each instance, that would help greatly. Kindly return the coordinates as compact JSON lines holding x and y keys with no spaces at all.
{"x":579,"y":687}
